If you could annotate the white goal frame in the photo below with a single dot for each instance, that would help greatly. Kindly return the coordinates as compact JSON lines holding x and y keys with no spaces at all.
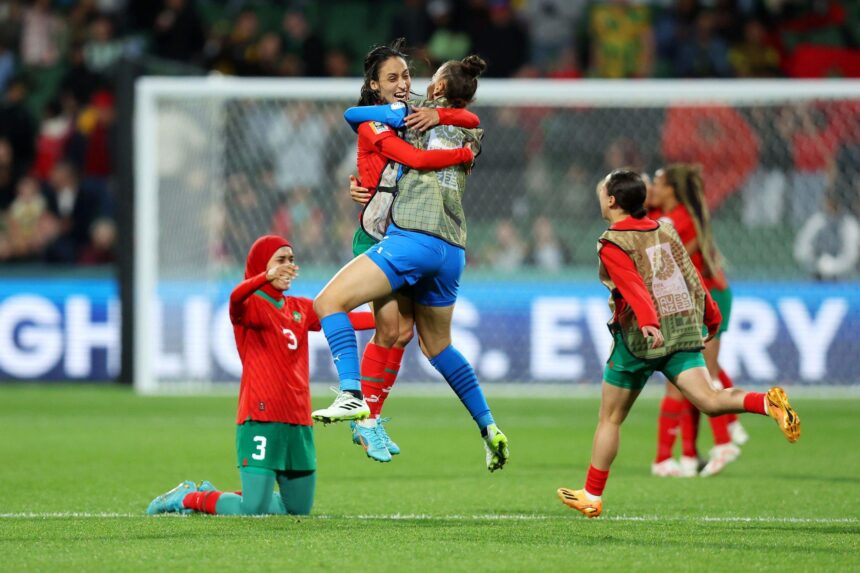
{"x":492,"y":92}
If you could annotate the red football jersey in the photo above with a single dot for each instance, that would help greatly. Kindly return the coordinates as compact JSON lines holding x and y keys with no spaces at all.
{"x":272,"y":339}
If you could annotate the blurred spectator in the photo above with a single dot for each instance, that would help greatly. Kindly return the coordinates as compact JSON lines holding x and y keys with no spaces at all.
{"x":764,"y":192}
{"x":17,"y":125}
{"x":412,"y":22}
{"x":100,"y":249}
{"x":178,"y":33}
{"x":337,"y":63}
{"x":7,"y":65}
{"x":267,"y":56}
{"x":551,"y":27}
{"x":234,"y":51}
{"x":546,"y":250}
{"x":30,"y":224}
{"x":622,"y":152}
{"x":446,"y":42}
{"x":42,"y":34}
{"x":95,"y":125}
{"x":79,"y":80}
{"x":621,"y":41}
{"x":565,"y":67}
{"x":755,"y":57}
{"x":503,"y":44}
{"x":298,"y":134}
{"x":77,"y":207}
{"x":305,"y":47}
{"x":8,"y":174}
{"x":102,"y":49}
{"x":813,"y":137}
{"x":702,"y":54}
{"x":53,"y":134}
{"x":508,"y":253}
{"x":828,"y":244}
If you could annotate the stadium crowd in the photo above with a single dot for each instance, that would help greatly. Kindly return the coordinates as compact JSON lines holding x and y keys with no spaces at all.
{"x":58,"y":59}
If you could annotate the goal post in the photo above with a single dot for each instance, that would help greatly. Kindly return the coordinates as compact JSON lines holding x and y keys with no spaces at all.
{"x":219,"y":161}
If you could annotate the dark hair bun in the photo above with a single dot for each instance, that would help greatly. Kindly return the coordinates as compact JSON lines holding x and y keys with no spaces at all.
{"x":474,"y":65}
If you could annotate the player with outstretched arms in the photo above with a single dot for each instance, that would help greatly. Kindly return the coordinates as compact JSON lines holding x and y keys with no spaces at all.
{"x":659,"y":306}
{"x":274,"y":430}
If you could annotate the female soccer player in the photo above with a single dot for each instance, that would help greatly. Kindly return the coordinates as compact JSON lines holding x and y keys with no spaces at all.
{"x":678,"y":197}
{"x":424,"y":250}
{"x":274,"y":433}
{"x":380,"y":150}
{"x":643,"y":262}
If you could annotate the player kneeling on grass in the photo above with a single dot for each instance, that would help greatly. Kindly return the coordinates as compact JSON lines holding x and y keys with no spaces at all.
{"x":274,"y":434}
{"x":659,"y":308}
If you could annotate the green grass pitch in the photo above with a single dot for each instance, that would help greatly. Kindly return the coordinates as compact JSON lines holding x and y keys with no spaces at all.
{"x":81,"y":464}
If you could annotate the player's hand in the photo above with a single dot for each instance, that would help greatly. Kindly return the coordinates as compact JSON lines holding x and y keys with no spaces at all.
{"x":422,"y":118}
{"x":711,"y":334}
{"x":654,"y":333}
{"x":359,"y":194}
{"x":473,"y":147}
{"x":281,"y":276}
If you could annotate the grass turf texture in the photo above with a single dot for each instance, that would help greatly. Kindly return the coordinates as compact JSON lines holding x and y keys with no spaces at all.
{"x":104,"y":453}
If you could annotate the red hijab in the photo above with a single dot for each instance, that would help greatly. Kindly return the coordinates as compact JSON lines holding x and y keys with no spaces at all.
{"x":258,"y":257}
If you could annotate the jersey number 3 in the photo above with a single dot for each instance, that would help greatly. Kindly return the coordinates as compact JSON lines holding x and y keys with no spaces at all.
{"x":292,"y":341}
{"x":261,"y":448}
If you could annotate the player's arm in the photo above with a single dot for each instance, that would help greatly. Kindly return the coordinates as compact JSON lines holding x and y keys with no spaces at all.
{"x":392,"y":114}
{"x":395,"y":149}
{"x":424,"y":118}
{"x":623,"y":273}
{"x":713,"y":316}
{"x":239,"y":299}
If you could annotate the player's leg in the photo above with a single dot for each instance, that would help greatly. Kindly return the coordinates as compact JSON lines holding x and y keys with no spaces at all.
{"x":672,"y":409}
{"x":297,"y":491}
{"x":615,"y":404}
{"x":434,"y":330}
{"x":256,"y":498}
{"x":724,"y":300}
{"x":695,"y":384}
{"x":406,"y":321}
{"x":358,"y":282}
{"x":373,"y":363}
{"x":724,"y":451}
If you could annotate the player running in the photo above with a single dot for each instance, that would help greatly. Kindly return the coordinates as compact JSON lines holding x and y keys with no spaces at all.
{"x":659,"y":307}
{"x":423,"y":250}
{"x":274,"y":433}
{"x":678,"y":197}
{"x":380,"y":150}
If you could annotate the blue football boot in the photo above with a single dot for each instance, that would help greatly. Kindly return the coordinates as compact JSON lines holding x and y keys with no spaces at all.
{"x":393,"y":448}
{"x":171,"y":502}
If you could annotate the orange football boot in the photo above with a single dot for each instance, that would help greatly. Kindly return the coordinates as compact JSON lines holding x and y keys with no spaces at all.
{"x":780,"y":410}
{"x":579,"y":501}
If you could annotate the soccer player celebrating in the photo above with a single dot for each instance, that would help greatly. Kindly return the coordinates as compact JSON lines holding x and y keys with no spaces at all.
{"x":274,"y":433}
{"x":678,"y":197}
{"x":424,"y":249}
{"x":659,"y":307}
{"x":380,"y":150}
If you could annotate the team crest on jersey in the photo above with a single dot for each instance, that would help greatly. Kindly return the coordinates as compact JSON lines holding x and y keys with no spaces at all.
{"x":297,"y":316}
{"x":378,"y":127}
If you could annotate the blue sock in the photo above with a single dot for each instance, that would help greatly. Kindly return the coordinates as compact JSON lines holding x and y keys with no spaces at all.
{"x":344,"y":349}
{"x":461,"y":377}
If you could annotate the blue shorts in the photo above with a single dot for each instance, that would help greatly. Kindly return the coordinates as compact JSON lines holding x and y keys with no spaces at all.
{"x":425,"y":268}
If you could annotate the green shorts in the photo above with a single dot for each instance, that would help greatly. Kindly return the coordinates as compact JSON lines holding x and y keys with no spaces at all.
{"x":275,"y":446}
{"x":723,"y":298}
{"x":626,"y":371}
{"x":361,"y":241}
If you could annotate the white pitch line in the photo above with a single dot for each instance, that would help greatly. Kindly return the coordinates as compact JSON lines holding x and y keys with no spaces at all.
{"x":478,"y":517}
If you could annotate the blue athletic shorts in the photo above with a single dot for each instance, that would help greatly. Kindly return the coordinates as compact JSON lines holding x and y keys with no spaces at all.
{"x":426,"y":268}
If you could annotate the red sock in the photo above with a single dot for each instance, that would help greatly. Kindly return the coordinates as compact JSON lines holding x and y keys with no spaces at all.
{"x":392,"y":369}
{"x":203,"y":501}
{"x":720,"y":429}
{"x":595,"y":480}
{"x":726,"y":381}
{"x":373,"y":363}
{"x":689,"y":430}
{"x":754,"y":403}
{"x":667,"y":427}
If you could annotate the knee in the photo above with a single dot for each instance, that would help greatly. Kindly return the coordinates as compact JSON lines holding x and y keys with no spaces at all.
{"x":254,"y":507}
{"x":405,"y":336}
{"x":320,"y":305}
{"x":386,"y":335}
{"x":709,"y":406}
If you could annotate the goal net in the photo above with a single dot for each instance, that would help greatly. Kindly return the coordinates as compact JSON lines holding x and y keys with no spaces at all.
{"x":221,"y":161}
